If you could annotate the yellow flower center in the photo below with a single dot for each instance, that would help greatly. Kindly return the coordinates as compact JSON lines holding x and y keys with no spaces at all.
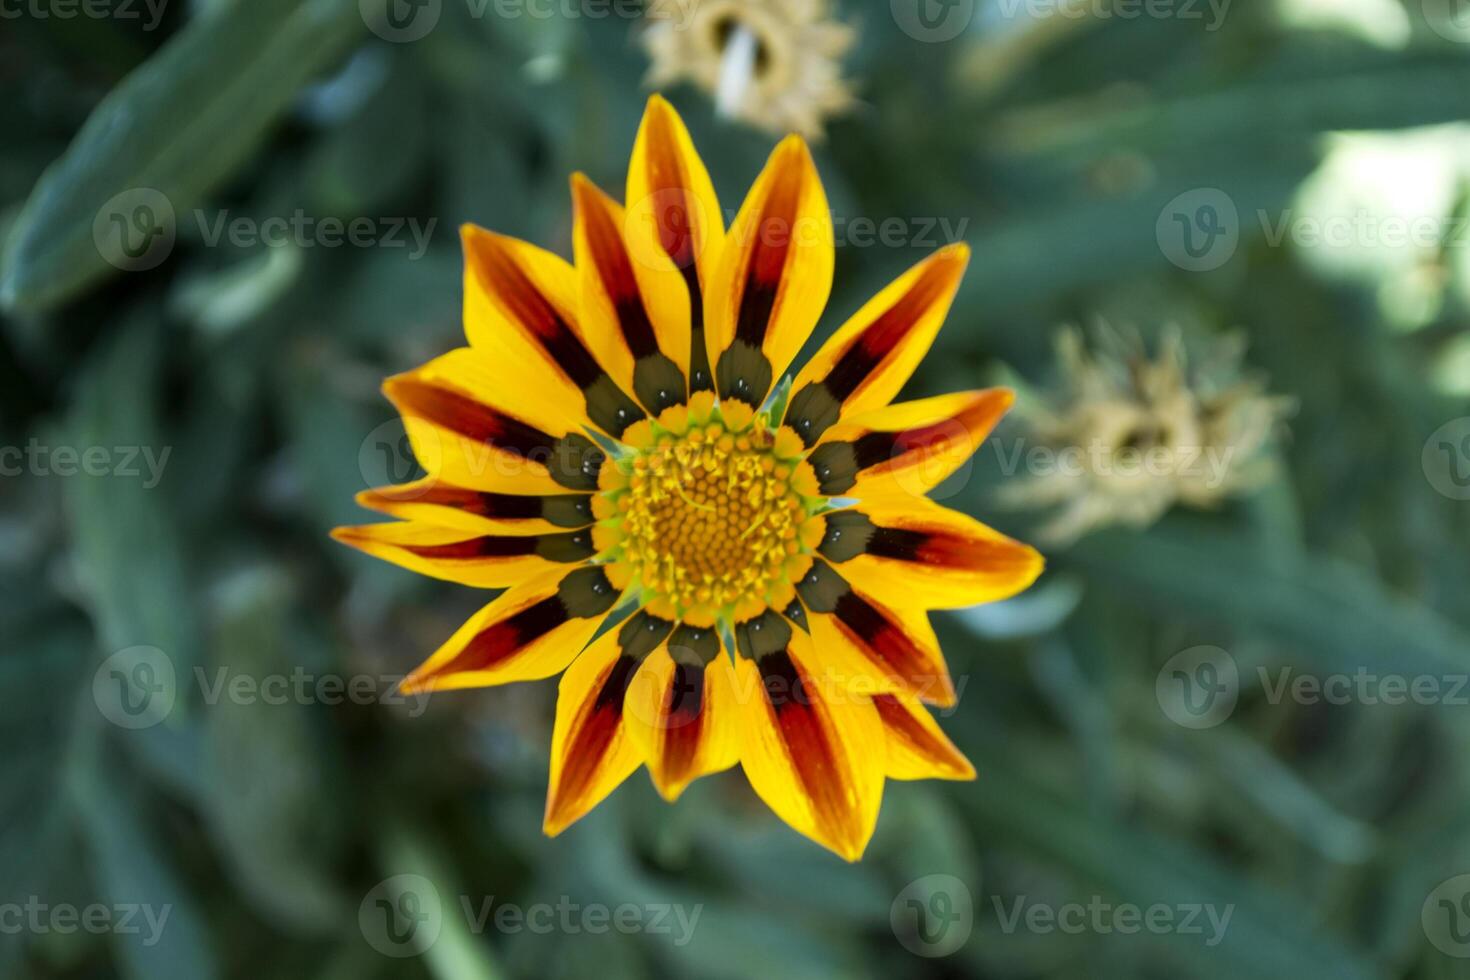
{"x":710,"y":513}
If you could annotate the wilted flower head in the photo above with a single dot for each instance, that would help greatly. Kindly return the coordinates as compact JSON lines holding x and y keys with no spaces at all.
{"x":771,"y":63}
{"x":1129,"y":437}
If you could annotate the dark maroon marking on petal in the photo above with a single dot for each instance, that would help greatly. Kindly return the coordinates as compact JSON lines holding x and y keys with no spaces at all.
{"x":766,"y":270}
{"x":501,"y":641}
{"x":901,"y":724}
{"x":886,"y":333}
{"x":505,"y":506}
{"x":666,"y":179}
{"x":874,"y":448}
{"x":941,"y":548}
{"x":488,"y":546}
{"x":897,"y":543}
{"x":581,"y":594}
{"x":461,"y":414}
{"x":516,"y":290}
{"x":673,"y":215}
{"x":811,"y":750}
{"x":884,"y":640}
{"x":683,"y":720}
{"x":610,"y":260}
{"x":599,"y":724}
{"x":571,"y":546}
{"x":607,"y":405}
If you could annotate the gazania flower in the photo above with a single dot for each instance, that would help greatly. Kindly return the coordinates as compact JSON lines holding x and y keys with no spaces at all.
{"x":774,"y":64}
{"x":613,"y":439}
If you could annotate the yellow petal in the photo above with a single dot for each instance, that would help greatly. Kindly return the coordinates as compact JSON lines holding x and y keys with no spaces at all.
{"x":880,"y":642}
{"x":530,"y":631}
{"x":868,"y":360}
{"x":916,"y":747}
{"x":591,"y":753}
{"x":485,"y":561}
{"x":812,"y":751}
{"x":673,"y":214}
{"x":934,"y":557}
{"x":681,"y":710}
{"x":908,"y":448}
{"x":436,"y":502}
{"x":520,"y":308}
{"x":639,"y":332}
{"x":470,"y":430}
{"x":773,"y":278}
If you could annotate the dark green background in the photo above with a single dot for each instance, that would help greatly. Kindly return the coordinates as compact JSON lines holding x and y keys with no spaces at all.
{"x":263,"y":827}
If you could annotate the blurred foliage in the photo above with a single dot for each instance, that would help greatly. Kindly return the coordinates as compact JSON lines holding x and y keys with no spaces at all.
{"x":263,"y":826}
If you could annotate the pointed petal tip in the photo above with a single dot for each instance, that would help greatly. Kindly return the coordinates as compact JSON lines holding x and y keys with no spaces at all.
{"x":351,"y":535}
{"x":957,"y":252}
{"x":557,"y":818}
{"x":944,"y":697}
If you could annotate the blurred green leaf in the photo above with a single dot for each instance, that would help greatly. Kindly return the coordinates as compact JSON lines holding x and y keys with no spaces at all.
{"x":167,"y":937}
{"x":49,"y":669}
{"x":1269,"y":935}
{"x":177,"y":126}
{"x":130,"y":555}
{"x":268,"y":765}
{"x":1335,"y":614}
